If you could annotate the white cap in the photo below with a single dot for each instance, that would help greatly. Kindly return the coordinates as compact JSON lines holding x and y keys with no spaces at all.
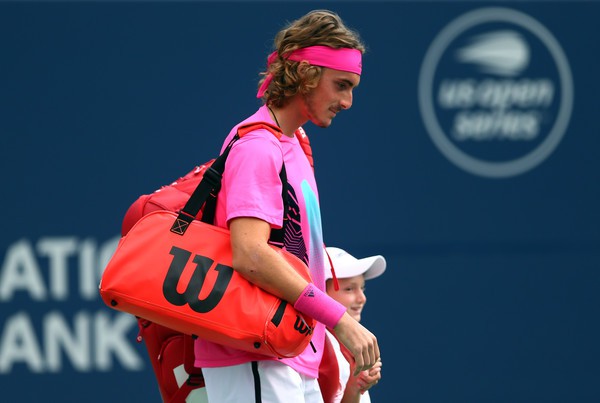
{"x":345,"y":265}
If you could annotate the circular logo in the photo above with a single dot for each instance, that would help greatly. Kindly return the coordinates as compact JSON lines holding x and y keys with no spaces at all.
{"x":495,"y":92}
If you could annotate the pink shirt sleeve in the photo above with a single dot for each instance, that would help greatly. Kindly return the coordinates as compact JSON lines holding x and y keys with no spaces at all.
{"x":251,"y":183}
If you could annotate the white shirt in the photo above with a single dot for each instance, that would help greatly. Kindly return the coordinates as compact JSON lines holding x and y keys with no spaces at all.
{"x":344,"y":367}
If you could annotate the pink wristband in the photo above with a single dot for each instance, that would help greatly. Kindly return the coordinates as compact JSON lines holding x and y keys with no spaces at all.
{"x":320,"y":306}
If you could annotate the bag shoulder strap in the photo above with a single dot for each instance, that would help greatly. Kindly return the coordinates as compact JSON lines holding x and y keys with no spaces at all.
{"x":305,"y":144}
{"x":276,"y":130}
{"x":249,"y":127}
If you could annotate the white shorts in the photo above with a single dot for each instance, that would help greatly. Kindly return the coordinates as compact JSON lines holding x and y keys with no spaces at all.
{"x":260,"y":382}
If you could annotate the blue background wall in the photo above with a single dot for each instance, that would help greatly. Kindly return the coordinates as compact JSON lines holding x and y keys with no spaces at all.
{"x":491,"y":292}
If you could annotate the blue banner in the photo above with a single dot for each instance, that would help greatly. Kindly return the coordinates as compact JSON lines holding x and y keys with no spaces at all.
{"x":469,"y":160}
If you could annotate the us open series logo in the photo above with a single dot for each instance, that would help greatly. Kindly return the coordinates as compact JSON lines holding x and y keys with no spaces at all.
{"x":495,"y":92}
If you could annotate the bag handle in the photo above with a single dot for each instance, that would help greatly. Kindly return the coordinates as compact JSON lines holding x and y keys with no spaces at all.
{"x":210,"y":185}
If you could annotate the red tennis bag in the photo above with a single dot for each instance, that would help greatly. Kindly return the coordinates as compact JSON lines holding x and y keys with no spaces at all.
{"x":186,"y":282}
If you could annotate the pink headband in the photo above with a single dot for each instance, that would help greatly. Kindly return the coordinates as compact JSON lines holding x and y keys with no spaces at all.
{"x":344,"y":59}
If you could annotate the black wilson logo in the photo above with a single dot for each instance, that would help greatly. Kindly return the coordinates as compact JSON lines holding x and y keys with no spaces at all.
{"x":301,"y":326}
{"x":190,"y":296}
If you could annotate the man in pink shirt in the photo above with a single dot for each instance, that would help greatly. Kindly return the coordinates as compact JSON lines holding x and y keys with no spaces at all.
{"x":310,"y":77}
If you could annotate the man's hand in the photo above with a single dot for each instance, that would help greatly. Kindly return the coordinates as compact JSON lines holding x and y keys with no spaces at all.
{"x":361,"y":343}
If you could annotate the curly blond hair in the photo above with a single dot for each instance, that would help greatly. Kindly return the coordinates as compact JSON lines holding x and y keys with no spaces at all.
{"x":318,"y":27}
